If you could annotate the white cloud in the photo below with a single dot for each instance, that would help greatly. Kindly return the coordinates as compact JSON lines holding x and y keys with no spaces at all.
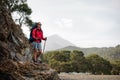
{"x":64,"y":23}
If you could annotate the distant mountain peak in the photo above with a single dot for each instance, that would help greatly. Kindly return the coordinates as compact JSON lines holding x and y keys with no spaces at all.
{"x":54,"y":35}
{"x":56,"y":42}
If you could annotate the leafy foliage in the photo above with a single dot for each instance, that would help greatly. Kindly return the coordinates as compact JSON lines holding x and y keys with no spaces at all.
{"x":74,"y":61}
{"x":100,"y":65}
{"x":78,"y":61}
{"x":20,"y":8}
{"x":116,"y":67}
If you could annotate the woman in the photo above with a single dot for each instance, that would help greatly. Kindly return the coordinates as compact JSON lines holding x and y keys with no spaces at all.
{"x":37,"y":34}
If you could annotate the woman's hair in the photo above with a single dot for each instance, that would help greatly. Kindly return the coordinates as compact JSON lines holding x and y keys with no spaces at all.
{"x":39,"y":23}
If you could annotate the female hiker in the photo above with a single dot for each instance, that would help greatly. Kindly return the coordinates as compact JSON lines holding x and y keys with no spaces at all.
{"x":37,"y":35}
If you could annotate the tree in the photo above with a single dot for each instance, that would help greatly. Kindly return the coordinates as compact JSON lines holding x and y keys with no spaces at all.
{"x":21,"y":8}
{"x":66,"y":67}
{"x":100,"y":65}
{"x":78,"y":61}
{"x":115,"y":67}
{"x":59,"y":60}
{"x":77,"y":55}
{"x":62,"y":56}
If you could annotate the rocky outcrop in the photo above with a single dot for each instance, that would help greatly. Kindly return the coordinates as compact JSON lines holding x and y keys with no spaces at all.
{"x":16,"y":53}
{"x":12,"y":70}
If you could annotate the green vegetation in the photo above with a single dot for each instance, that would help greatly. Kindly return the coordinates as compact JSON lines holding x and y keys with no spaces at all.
{"x":20,"y":8}
{"x":75,"y":61}
{"x":99,"y":65}
{"x":115,"y":67}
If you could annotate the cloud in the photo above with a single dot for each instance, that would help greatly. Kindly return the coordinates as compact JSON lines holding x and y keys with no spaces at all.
{"x":64,"y":23}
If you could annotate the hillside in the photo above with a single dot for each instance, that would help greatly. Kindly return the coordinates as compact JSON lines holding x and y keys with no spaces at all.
{"x":106,"y":52}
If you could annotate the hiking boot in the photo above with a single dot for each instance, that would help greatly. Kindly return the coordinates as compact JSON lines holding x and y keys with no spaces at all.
{"x":39,"y":61}
{"x":33,"y":59}
{"x":35,"y":62}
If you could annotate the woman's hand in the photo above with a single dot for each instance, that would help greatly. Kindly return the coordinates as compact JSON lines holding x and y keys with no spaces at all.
{"x":45,"y":38}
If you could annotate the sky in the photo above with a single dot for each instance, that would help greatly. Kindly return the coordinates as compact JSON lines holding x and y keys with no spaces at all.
{"x":85,"y":23}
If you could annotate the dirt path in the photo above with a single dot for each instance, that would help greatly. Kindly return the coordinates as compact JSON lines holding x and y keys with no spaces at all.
{"x":88,"y":77}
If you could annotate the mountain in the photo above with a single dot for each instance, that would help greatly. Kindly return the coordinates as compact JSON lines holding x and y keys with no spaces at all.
{"x":71,"y":48}
{"x":56,"y":42}
{"x":86,"y":51}
{"x":111,"y":53}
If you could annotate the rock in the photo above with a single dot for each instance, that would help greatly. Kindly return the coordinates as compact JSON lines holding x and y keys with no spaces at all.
{"x":27,"y":71}
{"x":16,"y":53}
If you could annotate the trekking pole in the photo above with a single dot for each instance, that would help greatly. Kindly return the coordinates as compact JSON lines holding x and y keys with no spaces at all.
{"x":44,"y":46}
